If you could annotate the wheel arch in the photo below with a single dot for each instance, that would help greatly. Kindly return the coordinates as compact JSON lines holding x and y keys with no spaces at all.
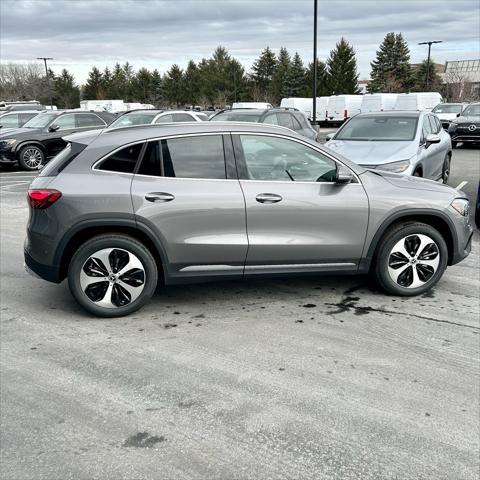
{"x":86,"y":230}
{"x":437,"y":220}
{"x":28,"y":143}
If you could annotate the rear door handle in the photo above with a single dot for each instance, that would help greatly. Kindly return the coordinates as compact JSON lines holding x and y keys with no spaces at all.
{"x":268,"y":198}
{"x":159,"y":197}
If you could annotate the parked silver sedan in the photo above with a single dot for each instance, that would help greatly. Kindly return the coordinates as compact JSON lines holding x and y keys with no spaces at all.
{"x":411,"y":143}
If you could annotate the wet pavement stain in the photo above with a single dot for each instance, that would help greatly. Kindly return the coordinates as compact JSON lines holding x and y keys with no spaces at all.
{"x":143,"y":440}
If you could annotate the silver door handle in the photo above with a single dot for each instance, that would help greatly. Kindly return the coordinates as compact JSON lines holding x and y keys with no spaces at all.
{"x":159,"y":197}
{"x":268,"y":198}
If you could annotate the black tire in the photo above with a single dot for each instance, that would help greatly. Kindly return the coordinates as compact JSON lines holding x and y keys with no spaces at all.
{"x":417,"y":173}
{"x":31,"y":157}
{"x":446,"y":169}
{"x":120,"y":244}
{"x":385,"y":258}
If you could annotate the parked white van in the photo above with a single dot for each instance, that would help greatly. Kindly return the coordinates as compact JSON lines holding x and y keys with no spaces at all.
{"x":421,"y":101}
{"x":378,"y":102}
{"x":260,"y":105}
{"x":305,"y":105}
{"x":342,"y":107}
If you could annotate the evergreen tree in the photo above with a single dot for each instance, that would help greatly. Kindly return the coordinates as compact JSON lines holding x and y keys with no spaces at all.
{"x":155,"y":88}
{"x":280,"y":75}
{"x":107,"y":82}
{"x":173,"y":86}
{"x":323,"y":84}
{"x":141,"y":86}
{"x":342,"y":69}
{"x":66,"y":93}
{"x":294,"y":85}
{"x":435,"y":83}
{"x":263,"y":70}
{"x":118,"y":88}
{"x":192,"y":83}
{"x":391,"y":71}
{"x":94,"y":88}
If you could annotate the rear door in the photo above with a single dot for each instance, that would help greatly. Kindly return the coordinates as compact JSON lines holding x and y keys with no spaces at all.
{"x":298,"y":218}
{"x":187,"y":193}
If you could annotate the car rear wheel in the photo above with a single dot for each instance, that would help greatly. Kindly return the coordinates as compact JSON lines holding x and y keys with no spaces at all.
{"x":410,"y":259}
{"x":112,"y":275}
{"x":31,"y":157}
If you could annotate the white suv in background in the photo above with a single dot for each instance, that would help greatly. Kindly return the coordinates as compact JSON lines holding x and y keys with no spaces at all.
{"x":147,"y":117}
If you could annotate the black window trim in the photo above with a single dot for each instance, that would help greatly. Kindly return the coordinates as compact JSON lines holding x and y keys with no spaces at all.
{"x":228,"y":162}
{"x":242,"y":168}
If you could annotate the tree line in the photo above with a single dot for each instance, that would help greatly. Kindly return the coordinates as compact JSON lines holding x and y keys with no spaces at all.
{"x":221,"y":79}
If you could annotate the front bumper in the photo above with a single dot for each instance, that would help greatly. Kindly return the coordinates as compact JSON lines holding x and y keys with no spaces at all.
{"x":7,"y":156}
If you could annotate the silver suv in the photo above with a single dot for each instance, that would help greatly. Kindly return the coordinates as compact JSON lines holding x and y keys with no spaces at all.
{"x":118,"y":210}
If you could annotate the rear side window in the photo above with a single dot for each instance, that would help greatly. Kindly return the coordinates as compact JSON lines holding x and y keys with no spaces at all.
{"x":165,"y":118}
{"x":285,"y":120}
{"x":9,"y":120}
{"x":123,"y":160}
{"x":186,"y":157}
{"x":182,"y":117}
{"x":89,"y":120}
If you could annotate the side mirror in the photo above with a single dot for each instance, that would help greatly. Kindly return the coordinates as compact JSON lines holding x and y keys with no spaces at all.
{"x":343,"y":175}
{"x":458,"y":114}
{"x":431,"y":139}
{"x":329,"y":136}
{"x":53,"y":128}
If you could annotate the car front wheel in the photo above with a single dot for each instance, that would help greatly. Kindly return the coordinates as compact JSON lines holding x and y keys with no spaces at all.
{"x":112,"y":275}
{"x":31,"y":157}
{"x":410,"y":259}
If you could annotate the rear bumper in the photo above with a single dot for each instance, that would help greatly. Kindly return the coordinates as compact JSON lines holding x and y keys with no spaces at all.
{"x":50,"y":273}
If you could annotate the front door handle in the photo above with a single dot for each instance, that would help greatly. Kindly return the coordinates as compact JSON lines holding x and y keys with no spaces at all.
{"x":159,"y":197}
{"x":268,"y":198}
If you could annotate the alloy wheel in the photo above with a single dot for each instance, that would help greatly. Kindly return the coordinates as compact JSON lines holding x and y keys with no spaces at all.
{"x":413,"y":261}
{"x":32,"y":157}
{"x":112,"y":278}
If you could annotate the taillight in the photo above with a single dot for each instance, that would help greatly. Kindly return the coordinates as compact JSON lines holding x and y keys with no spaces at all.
{"x":42,"y":198}
{"x":345,"y":113}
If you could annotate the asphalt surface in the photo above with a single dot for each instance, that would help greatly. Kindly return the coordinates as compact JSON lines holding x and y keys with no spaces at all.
{"x":314,"y":377}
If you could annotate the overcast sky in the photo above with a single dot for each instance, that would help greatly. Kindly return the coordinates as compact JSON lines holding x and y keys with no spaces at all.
{"x":155,"y":34}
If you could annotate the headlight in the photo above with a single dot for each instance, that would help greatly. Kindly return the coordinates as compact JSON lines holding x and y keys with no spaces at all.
{"x":461,"y":205}
{"x":396,"y":167}
{"x":7,"y":143}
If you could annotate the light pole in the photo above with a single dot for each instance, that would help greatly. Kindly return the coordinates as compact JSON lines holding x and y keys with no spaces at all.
{"x":48,"y":78}
{"x":314,"y":89}
{"x":428,"y":59}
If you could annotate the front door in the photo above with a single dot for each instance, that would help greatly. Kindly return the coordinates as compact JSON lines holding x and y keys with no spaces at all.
{"x":298,"y":218}
{"x":182,"y":193}
{"x":53,"y":141}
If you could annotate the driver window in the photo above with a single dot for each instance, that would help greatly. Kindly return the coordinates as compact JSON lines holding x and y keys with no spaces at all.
{"x":279,"y":159}
{"x":65,"y":122}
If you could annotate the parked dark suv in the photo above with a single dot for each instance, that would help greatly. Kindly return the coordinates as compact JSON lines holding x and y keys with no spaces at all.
{"x":466,"y":127}
{"x":41,"y":137}
{"x":117,"y":210}
{"x":284,"y":117}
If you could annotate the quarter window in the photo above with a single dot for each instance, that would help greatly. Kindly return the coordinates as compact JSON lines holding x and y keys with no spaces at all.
{"x":279,"y":159}
{"x":9,"y":120}
{"x":123,"y":160}
{"x":271,"y":119}
{"x":165,"y":119}
{"x":182,"y":117}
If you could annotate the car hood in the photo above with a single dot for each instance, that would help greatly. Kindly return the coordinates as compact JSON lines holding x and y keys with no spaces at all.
{"x":415,"y":183}
{"x":14,"y":132}
{"x":471,"y":119}
{"x":373,"y":153}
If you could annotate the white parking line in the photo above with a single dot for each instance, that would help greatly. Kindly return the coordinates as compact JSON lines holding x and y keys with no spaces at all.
{"x":7,"y":186}
{"x":461,"y":185}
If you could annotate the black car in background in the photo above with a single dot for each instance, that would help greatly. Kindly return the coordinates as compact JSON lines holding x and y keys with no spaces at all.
{"x":466,"y":127}
{"x":290,"y":118}
{"x":41,"y":137}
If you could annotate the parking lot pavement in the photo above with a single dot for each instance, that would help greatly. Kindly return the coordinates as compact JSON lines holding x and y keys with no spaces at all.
{"x":309,"y":377}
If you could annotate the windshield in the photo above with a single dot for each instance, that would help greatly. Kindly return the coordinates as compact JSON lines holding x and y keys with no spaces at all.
{"x":379,"y":128}
{"x":138,"y":118}
{"x":448,"y":108}
{"x":237,"y":117}
{"x":472,"y":111}
{"x":40,"y":121}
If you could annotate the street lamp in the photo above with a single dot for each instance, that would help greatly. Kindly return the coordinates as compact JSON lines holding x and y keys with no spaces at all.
{"x":428,"y":59}
{"x":314,"y":89}
{"x":48,"y":78}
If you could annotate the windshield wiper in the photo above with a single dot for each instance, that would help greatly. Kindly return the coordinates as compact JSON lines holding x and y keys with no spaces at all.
{"x":291,"y":178}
